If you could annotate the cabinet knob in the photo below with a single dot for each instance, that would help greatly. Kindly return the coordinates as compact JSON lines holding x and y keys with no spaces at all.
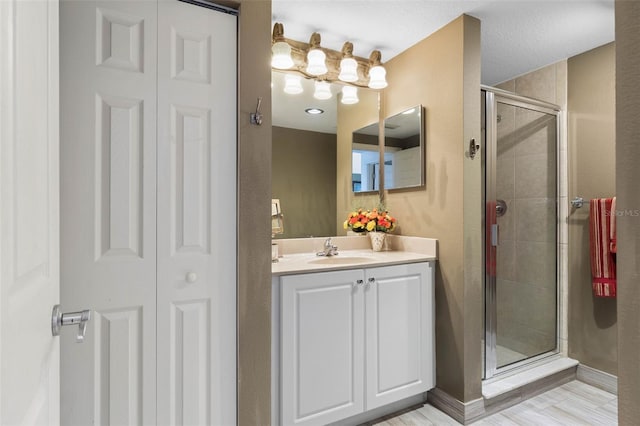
{"x":359,"y":282}
{"x":371,"y":280}
{"x":191,"y":277}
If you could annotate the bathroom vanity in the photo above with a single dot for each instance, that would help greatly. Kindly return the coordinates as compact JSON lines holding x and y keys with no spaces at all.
{"x":350,"y":333}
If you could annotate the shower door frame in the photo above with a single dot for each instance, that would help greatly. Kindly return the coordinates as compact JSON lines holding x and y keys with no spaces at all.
{"x":492,"y":97}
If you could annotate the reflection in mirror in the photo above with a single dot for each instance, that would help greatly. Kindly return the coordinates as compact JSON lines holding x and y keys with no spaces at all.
{"x":365,"y":158}
{"x":305,"y":156}
{"x":277,"y":218}
{"x":404,"y":149}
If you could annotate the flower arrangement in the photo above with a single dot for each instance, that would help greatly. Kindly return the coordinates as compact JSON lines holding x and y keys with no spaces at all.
{"x":370,"y":221}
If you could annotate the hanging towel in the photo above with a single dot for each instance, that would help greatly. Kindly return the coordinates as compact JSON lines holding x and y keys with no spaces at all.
{"x":603,"y":261}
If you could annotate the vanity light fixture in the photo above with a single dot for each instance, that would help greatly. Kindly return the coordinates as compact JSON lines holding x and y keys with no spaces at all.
{"x":314,"y":111}
{"x":322,"y":91}
{"x":377,"y":73}
{"x":349,"y":95}
{"x":292,"y":84}
{"x":280,"y":49}
{"x":316,"y":57}
{"x":348,"y":65}
{"x":312,"y":61}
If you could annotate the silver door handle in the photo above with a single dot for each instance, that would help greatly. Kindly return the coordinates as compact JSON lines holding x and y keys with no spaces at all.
{"x":58,"y":319}
{"x":494,"y":235}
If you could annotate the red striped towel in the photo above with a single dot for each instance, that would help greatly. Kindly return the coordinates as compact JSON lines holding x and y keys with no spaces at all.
{"x":603,"y":261}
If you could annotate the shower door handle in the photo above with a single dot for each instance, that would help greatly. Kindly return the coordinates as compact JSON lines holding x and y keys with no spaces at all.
{"x":494,"y":235}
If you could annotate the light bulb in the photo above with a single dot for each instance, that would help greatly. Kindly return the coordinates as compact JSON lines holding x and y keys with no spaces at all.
{"x":281,"y":55}
{"x":323,"y":90}
{"x":377,"y":78}
{"x":348,"y":70}
{"x":292,"y":84}
{"x":349,"y":95}
{"x":316,"y":65}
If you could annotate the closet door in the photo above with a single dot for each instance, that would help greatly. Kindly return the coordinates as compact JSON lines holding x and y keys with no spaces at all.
{"x":196,"y":215}
{"x":108,"y":210}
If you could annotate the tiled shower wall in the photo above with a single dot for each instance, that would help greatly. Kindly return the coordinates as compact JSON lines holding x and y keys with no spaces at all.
{"x":527,"y":181}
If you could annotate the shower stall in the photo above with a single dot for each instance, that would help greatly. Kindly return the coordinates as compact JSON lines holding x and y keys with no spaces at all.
{"x":520,"y":192}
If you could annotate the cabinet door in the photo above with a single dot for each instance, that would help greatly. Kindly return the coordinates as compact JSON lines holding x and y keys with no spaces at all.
{"x":322,"y":353}
{"x":399,"y":332}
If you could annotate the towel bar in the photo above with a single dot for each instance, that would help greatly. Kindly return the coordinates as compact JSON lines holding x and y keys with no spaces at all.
{"x":577,"y":202}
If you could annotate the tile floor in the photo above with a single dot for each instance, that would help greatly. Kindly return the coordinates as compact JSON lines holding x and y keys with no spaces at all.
{"x":574,"y":403}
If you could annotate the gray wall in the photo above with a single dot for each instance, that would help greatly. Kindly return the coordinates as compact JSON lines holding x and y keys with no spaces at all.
{"x":449,"y":207}
{"x":627,"y":178}
{"x":592,"y":169}
{"x":254,"y":209}
{"x":303,"y":170}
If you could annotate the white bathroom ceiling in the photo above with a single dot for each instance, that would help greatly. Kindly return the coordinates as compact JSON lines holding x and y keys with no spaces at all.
{"x":518,"y":36}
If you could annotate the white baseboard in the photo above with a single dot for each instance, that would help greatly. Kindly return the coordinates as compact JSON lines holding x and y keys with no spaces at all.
{"x":599,"y":379}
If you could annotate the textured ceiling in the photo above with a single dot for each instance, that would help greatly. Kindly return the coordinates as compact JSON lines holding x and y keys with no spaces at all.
{"x":517,"y":36}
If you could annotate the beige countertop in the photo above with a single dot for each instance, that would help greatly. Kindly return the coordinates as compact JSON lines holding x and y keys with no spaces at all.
{"x":299,"y":255}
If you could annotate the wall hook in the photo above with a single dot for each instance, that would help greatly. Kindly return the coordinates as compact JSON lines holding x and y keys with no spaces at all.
{"x":256,"y":117}
{"x":473,"y":148}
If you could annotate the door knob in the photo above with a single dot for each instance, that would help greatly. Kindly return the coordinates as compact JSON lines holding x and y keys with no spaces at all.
{"x":58,"y":319}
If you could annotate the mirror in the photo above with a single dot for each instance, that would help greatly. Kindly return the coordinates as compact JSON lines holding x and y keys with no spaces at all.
{"x":404,"y":146}
{"x":365,"y":158}
{"x":307,"y":155}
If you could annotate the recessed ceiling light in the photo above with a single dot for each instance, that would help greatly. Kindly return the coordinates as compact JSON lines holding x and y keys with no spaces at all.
{"x":314,"y":111}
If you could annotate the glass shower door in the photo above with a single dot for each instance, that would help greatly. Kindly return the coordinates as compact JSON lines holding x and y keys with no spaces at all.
{"x":521,"y":232}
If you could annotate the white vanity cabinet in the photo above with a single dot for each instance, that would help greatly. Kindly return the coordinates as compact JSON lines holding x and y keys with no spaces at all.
{"x":353,"y":340}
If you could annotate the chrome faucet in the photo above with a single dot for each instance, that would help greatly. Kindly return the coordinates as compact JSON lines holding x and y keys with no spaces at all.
{"x":328,"y":249}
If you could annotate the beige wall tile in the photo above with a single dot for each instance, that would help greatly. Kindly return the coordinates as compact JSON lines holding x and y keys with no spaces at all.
{"x":536,"y":263}
{"x":535,"y":176}
{"x":507,"y":223}
{"x":540,"y":84}
{"x":506,"y":260}
{"x":536,"y":219}
{"x":505,"y":175}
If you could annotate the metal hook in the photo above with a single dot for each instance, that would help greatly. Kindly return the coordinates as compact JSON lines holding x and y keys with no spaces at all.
{"x":256,"y":117}
{"x":473,"y":148}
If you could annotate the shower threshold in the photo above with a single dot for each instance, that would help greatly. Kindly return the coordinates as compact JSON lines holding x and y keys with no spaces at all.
{"x":531,"y":379}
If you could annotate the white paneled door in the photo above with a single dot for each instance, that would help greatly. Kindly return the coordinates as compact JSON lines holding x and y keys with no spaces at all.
{"x":196,"y":215}
{"x":148,"y":211}
{"x":108,"y":209}
{"x":29,"y":248}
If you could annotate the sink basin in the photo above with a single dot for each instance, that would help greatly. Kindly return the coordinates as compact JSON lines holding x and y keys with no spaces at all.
{"x":340,"y":260}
